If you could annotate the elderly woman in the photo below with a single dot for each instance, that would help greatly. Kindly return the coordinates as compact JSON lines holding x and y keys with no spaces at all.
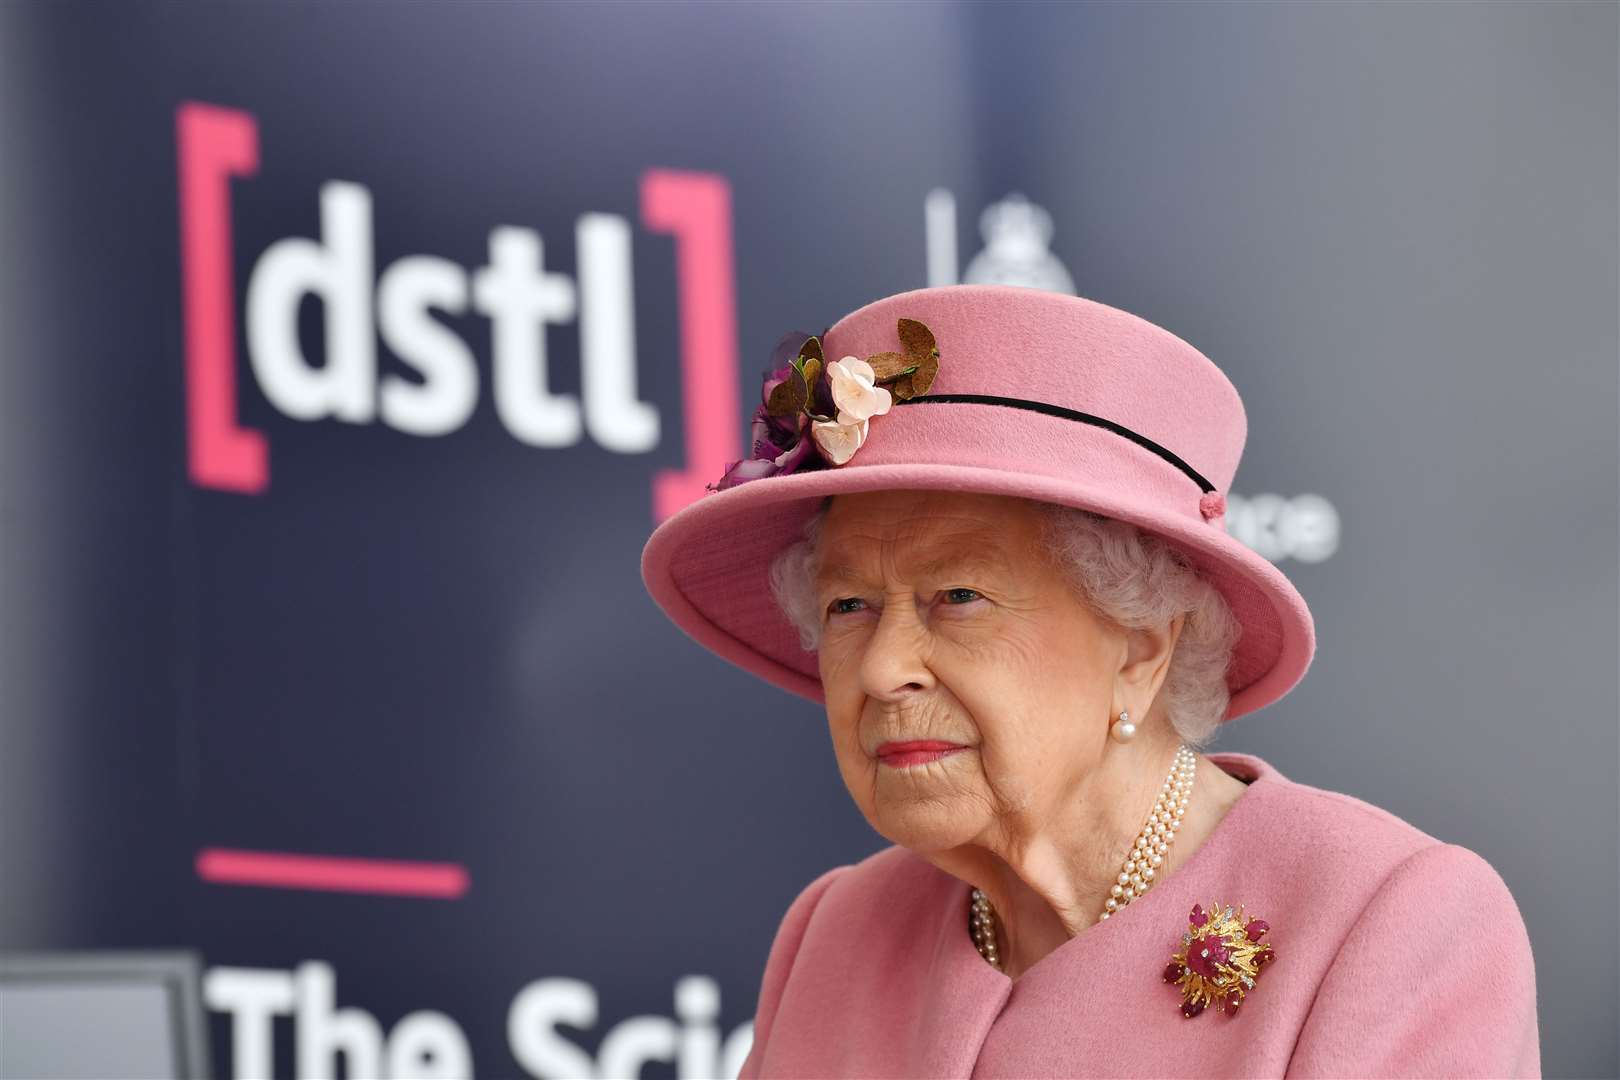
{"x":984,"y":526}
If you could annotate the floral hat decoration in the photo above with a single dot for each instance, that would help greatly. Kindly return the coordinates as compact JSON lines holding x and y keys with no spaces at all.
{"x":1042,"y":396}
{"x":811,"y":402}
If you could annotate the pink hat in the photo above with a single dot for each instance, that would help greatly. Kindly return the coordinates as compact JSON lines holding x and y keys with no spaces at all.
{"x":1037,"y":394}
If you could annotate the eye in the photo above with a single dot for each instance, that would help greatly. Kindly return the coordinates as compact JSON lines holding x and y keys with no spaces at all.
{"x":956,"y":598}
{"x":837,"y":606}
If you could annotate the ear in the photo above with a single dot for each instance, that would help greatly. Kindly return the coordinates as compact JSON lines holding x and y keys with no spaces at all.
{"x":1147,"y":662}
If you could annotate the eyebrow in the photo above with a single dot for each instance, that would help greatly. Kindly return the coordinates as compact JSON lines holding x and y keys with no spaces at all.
{"x":988,"y":559}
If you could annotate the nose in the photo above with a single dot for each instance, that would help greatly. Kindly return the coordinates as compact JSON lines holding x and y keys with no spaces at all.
{"x":895,"y":661}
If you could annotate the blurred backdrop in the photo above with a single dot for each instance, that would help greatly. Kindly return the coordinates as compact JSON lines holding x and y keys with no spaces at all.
{"x":352,"y":352}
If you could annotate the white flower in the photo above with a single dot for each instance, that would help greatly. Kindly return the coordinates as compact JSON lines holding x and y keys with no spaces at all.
{"x":839,"y":441}
{"x":855,"y":392}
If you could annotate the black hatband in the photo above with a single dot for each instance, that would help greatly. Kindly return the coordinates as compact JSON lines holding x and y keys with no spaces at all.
{"x":1066,"y":414}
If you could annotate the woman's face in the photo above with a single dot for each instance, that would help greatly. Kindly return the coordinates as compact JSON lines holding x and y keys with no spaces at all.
{"x":941,"y":620}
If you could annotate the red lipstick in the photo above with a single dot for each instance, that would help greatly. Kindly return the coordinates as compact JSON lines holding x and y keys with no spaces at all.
{"x":915,"y":752}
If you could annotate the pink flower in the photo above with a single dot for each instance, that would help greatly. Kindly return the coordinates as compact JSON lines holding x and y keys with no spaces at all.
{"x":855,"y":390}
{"x":839,"y":441}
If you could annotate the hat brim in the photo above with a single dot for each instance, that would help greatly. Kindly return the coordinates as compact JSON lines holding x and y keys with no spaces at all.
{"x":707,"y":567}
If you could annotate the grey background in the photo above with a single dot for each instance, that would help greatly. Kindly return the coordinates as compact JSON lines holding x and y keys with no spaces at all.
{"x":1393,"y":225}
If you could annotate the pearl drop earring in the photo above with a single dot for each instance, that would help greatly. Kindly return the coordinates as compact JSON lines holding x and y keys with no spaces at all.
{"x":1123,"y":731}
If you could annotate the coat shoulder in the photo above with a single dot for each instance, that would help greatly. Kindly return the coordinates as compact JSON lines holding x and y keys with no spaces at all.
{"x":1341,"y":857}
{"x":1389,"y":906}
{"x":864,"y":898}
{"x":892,"y":880}
{"x":1334,"y":831}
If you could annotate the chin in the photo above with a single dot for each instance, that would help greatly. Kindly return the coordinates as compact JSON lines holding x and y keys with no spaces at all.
{"x":925,"y":825}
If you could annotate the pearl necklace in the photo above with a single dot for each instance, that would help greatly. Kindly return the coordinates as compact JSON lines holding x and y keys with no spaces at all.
{"x":1141,"y":865}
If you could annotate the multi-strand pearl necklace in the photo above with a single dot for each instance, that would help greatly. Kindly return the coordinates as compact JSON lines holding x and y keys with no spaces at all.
{"x":1141,"y":865}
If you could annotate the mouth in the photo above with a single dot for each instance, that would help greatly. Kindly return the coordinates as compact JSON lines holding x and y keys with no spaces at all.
{"x":900,"y":755}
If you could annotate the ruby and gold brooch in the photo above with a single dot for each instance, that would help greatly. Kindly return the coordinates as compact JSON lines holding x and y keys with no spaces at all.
{"x":1220,"y":959}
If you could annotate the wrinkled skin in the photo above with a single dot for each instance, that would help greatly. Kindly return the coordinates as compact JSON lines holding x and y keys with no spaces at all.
{"x":993,"y":649}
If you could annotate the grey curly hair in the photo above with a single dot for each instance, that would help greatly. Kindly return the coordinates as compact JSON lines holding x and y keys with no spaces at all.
{"x":1128,"y":577}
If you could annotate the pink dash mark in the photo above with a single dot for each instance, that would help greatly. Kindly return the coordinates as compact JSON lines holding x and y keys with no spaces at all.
{"x":277,"y":870}
{"x":696,"y":208}
{"x":214,"y":144}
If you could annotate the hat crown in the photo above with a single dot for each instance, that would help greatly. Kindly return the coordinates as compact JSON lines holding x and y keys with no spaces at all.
{"x":1038,"y":395}
{"x":1033,"y":345}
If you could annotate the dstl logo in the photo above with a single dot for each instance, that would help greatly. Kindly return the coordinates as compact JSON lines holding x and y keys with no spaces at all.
{"x":514,"y":290}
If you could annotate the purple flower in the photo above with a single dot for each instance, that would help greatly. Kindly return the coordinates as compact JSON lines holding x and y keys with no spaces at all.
{"x":780,"y":444}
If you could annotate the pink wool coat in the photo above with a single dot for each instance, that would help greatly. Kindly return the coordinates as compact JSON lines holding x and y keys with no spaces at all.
{"x":1396,"y":955}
